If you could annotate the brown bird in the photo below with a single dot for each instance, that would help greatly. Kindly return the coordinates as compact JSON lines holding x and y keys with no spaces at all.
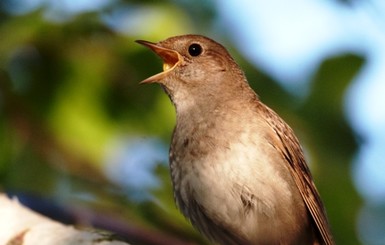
{"x":238,"y":171}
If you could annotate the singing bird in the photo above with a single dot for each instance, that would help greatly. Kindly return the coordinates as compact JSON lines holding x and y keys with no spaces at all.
{"x":238,"y":171}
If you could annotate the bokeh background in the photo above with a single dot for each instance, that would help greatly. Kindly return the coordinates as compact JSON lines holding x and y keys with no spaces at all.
{"x":83,"y":142}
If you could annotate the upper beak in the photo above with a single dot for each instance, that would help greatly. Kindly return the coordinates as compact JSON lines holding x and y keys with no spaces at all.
{"x":170,"y":58}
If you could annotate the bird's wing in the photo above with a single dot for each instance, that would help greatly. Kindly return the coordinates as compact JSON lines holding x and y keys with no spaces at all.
{"x":290,"y":148}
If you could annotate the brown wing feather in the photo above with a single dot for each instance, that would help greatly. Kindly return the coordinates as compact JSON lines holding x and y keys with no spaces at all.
{"x":291,"y":150}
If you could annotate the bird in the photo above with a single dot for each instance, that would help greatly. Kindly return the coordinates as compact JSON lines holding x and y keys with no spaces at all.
{"x":238,"y":171}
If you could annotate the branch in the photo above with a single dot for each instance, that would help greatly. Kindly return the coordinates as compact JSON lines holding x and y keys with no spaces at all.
{"x":19,"y":225}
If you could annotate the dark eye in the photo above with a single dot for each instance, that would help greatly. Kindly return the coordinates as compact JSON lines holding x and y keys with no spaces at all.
{"x":195,"y":49}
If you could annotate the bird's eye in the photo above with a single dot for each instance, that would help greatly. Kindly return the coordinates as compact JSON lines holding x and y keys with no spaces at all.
{"x":195,"y":49}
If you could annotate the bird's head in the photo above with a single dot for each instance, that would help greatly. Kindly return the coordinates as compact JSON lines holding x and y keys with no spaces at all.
{"x":197,"y":72}
{"x":192,"y":60}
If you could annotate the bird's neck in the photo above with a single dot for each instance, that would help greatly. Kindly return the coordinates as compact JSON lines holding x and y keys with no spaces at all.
{"x":197,"y":98}
{"x":209,"y":104}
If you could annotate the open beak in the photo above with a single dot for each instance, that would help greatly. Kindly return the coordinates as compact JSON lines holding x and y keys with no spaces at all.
{"x":170,"y":58}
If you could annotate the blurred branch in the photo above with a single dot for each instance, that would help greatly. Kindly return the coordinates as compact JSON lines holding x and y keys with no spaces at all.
{"x":109,"y":220}
{"x":26,"y":227}
{"x":132,"y":232}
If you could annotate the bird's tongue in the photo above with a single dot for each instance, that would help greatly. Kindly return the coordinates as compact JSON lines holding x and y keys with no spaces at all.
{"x":167,"y":66}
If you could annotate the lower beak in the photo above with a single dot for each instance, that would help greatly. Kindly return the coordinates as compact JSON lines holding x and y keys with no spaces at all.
{"x":170,"y":58}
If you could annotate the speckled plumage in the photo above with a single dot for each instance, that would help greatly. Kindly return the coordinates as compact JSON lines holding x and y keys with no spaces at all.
{"x":237,"y":169}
